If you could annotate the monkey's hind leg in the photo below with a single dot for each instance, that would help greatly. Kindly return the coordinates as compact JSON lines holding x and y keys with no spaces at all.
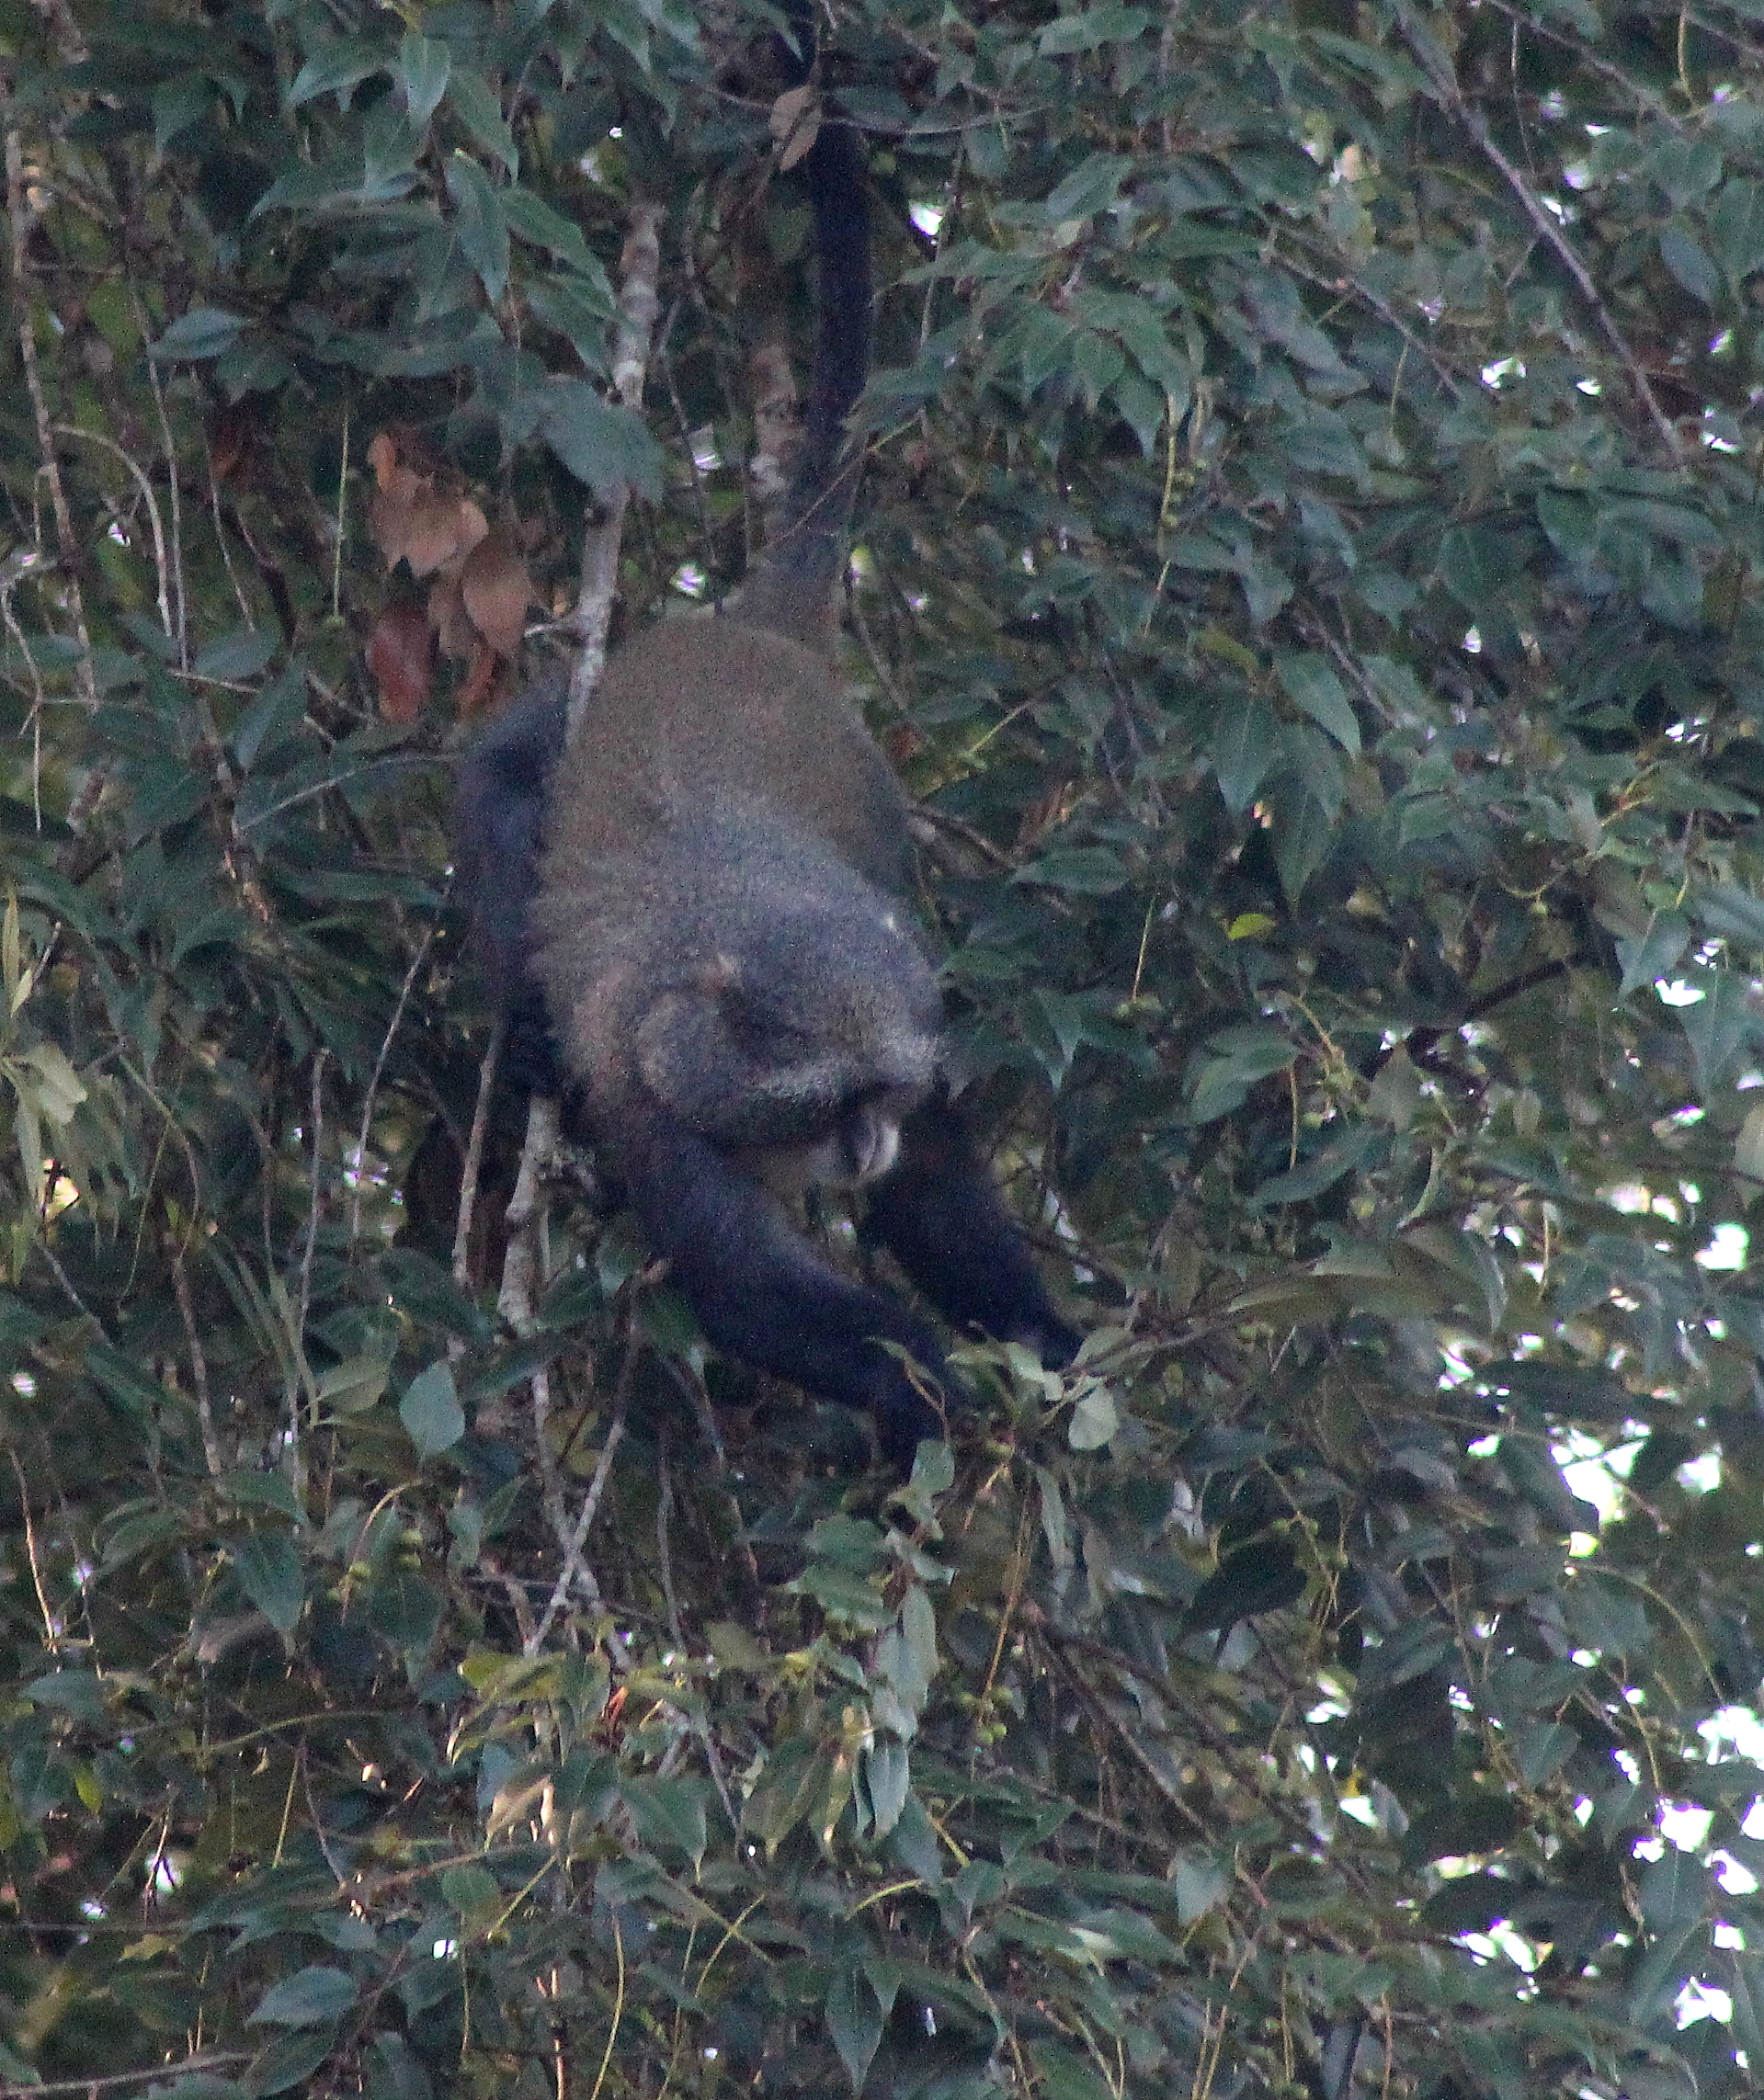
{"x":941,"y":1215}
{"x":762,"y":1294}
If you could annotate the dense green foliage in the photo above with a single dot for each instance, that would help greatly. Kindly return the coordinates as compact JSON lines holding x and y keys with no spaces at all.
{"x":1312,"y":575}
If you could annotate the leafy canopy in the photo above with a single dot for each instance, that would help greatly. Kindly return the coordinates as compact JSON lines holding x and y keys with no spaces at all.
{"x":1310,"y":574}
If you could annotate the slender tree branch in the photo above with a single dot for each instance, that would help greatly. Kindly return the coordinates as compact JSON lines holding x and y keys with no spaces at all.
{"x":1550,"y":233}
{"x":21,"y":217}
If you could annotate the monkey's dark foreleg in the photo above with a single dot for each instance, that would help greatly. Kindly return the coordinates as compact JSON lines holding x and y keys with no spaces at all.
{"x":763,"y":1295}
{"x":940,"y":1216}
{"x":499,"y":821}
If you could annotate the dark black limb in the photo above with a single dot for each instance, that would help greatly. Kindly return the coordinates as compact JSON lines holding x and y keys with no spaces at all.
{"x":941,"y":1217}
{"x":499,"y":818}
{"x":761,"y":1293}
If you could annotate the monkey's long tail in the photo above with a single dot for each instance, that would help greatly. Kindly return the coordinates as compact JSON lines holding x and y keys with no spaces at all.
{"x":791,"y":589}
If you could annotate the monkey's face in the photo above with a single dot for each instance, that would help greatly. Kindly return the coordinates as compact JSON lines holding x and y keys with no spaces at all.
{"x":863,"y":1145}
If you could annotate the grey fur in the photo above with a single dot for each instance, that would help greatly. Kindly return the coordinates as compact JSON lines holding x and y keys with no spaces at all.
{"x":730,"y":967}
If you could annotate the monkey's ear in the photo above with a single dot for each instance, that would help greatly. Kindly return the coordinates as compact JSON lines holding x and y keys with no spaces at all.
{"x":689,"y":1061}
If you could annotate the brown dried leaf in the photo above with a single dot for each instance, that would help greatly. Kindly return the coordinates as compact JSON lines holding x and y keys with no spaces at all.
{"x":441,"y":528}
{"x":484,"y":680}
{"x":233,"y":436}
{"x":795,"y":122}
{"x":389,"y":522}
{"x":448,"y":616}
{"x":497,"y":590}
{"x":401,"y":659}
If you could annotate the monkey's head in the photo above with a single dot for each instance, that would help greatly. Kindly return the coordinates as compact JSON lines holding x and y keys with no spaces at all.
{"x":807,"y":1035}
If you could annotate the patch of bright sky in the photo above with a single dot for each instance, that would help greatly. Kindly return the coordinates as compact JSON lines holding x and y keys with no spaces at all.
{"x":1730,"y":1248}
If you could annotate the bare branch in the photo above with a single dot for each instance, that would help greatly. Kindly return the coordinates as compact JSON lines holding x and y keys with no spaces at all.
{"x":21,"y":217}
{"x":638,"y":305}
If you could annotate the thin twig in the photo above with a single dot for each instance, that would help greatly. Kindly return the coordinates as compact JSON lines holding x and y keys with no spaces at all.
{"x":183,"y":2068}
{"x":1550,"y":233}
{"x":162,"y":556}
{"x":246,"y":612}
{"x":574,"y":1564}
{"x":699,"y":1401}
{"x":638,"y":306}
{"x":157,"y":385}
{"x":520,"y":1264}
{"x":297,"y":1380}
{"x":21,"y":219}
{"x":379,"y":1068}
{"x":696,"y":1721}
{"x":473,"y":1164}
{"x":198,"y":1366}
{"x":51,"y":1630}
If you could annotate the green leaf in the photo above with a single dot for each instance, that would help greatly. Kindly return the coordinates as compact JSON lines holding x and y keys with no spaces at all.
{"x":203,"y":331}
{"x":1302,"y":836}
{"x":1066,"y":2076}
{"x":605,"y":446}
{"x":1240,"y":1058}
{"x":422,"y":69}
{"x":1667,"y":1963}
{"x":1245,"y":744}
{"x":1736,"y":228}
{"x":1673,"y":1890}
{"x":670,"y":1815}
{"x":887,"y":1775}
{"x":263,"y":1490}
{"x":1090,"y":187}
{"x":1733,"y":913}
{"x":1690,"y":265}
{"x":304,"y":1999}
{"x":534,"y":220}
{"x":580,"y":308}
{"x":855,"y":2022}
{"x":1254,"y":1579}
{"x":480,"y":222}
{"x":1477,"y":562}
{"x":1744,"y":1980}
{"x":1541,"y":1752}
{"x":1748,"y":1155}
{"x":274,"y":716}
{"x":1720,"y":1027}
{"x":1088,"y":870}
{"x":1202,"y":1884}
{"x":79,"y":1693}
{"x":431,"y":1412}
{"x":1311,"y":684}
{"x":1656,"y":954}
{"x":1092,"y":28}
{"x":472,"y":1891}
{"x":407,"y":1611}
{"x":355,"y":1385}
{"x":271,"y":1573}
{"x":1096,"y":1420}
{"x":476,"y":106}
{"x":237,"y":656}
{"x":334,"y":69}
{"x":793,"y":1782}
{"x":290,"y":2060}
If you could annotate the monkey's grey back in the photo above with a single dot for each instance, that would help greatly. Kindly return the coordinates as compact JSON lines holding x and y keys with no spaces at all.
{"x":760,"y":716}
